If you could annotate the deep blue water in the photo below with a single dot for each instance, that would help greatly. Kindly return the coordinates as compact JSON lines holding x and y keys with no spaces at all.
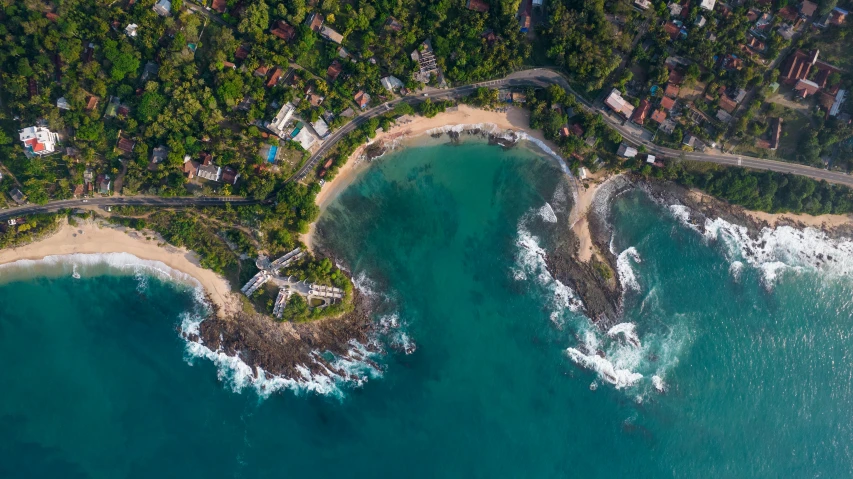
{"x":97,"y":382}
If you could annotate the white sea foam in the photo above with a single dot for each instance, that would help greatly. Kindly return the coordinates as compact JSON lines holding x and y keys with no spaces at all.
{"x":351,"y":369}
{"x":530,"y":264}
{"x":626,"y":271}
{"x":620,"y":378}
{"x":96,"y":264}
{"x":627,"y":331}
{"x":736,"y":270}
{"x":547,"y":213}
{"x":657,"y":382}
{"x":783,"y":248}
{"x":682,"y":214}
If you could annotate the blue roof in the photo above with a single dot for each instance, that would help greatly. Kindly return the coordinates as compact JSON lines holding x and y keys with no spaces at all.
{"x":842,"y":10}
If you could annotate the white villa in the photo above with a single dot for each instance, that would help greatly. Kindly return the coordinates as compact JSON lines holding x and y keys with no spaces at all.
{"x":279,"y":123}
{"x":38,"y":141}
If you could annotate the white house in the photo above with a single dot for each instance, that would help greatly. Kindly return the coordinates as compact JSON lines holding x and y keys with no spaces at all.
{"x":626,"y":151}
{"x":131,"y":30}
{"x":38,"y":141}
{"x":391,"y":83}
{"x":708,"y":4}
{"x":305,"y":139}
{"x":163,"y":8}
{"x":321,"y":128}
{"x":278,"y":124}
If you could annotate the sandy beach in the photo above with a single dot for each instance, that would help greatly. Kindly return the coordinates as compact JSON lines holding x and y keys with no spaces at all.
{"x":94,"y":237}
{"x":586,"y":196}
{"x":826,"y":222}
{"x":410,"y":127}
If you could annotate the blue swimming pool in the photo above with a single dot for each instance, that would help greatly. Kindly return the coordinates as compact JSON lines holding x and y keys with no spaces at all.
{"x":272,"y":153}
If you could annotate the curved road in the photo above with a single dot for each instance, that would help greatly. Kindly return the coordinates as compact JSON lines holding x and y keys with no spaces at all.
{"x":632,"y":134}
{"x":539,"y":77}
{"x":54,"y":206}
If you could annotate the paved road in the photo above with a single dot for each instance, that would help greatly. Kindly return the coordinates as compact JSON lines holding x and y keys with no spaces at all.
{"x":54,"y":206}
{"x":632,"y":134}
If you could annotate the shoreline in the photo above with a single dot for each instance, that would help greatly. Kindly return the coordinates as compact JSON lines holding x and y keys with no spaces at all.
{"x":93,"y":237}
{"x":410,"y":129}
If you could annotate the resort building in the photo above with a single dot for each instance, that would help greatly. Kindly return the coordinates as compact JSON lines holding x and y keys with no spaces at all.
{"x":279,"y":123}
{"x":331,"y":35}
{"x":315,"y":294}
{"x":38,"y":141}
{"x":427,"y":66}
{"x":391,"y":83}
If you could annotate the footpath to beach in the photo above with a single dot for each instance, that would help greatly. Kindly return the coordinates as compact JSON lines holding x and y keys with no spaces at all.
{"x":96,"y":237}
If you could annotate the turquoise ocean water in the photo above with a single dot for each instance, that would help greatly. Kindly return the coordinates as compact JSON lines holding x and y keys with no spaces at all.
{"x":752,"y":351}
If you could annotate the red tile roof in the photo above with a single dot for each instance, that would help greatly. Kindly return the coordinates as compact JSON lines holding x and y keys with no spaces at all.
{"x":808,"y":8}
{"x":276,"y":75}
{"x":334,"y":70}
{"x":478,"y":5}
{"x":667,"y":103}
{"x":797,"y":66}
{"x":727,"y":103}
{"x":671,"y":90}
{"x":284,"y":31}
{"x":218,"y":5}
{"x":658,"y":116}
{"x":241,"y":53}
{"x":639,"y":116}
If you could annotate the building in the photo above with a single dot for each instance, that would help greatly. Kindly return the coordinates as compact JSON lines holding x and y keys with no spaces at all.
{"x":626,"y":151}
{"x":315,"y":100}
{"x":209,"y":171}
{"x":724,"y":116}
{"x":305,"y":139}
{"x":658,"y":116}
{"x":618,"y":104}
{"x":219,"y":6}
{"x":334,"y":70}
{"x":667,"y":103}
{"x":281,"y":119}
{"x":391,"y":83}
{"x":835,"y":17}
{"x":804,"y":88}
{"x":425,"y":58}
{"x":38,"y":141}
{"x":242,"y":52}
{"x":103,"y":184}
{"x":564,"y":131}
{"x":643,"y":4}
{"x":839,"y":100}
{"x":650,"y":159}
{"x":283,"y":30}
{"x":190,"y":167}
{"x":125,"y":145}
{"x":671,"y":90}
{"x":321,"y":128}
{"x":797,"y":66}
{"x":158,"y":156}
{"x":230,"y":175}
{"x":393,"y":24}
{"x":63,"y":104}
{"x":331,"y":35}
{"x":18,"y":196}
{"x":808,"y":9}
{"x":668,"y":126}
{"x":131,"y":30}
{"x":708,"y":4}
{"x":727,"y":103}
{"x":163,"y":8}
{"x":481,"y":6}
{"x":274,"y":77}
{"x":693,"y":142}
{"x":315,"y":22}
{"x":640,"y":113}
{"x":362,"y":99}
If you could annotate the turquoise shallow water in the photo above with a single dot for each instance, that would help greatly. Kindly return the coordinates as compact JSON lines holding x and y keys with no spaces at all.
{"x":97,"y":382}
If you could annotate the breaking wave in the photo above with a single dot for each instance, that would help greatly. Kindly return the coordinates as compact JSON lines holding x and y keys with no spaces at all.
{"x":626,"y":271}
{"x":530,"y":265}
{"x":351,"y":369}
{"x":776,"y":250}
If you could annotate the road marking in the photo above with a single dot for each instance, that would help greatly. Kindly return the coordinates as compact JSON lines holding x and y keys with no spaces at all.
{"x":739,"y":160}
